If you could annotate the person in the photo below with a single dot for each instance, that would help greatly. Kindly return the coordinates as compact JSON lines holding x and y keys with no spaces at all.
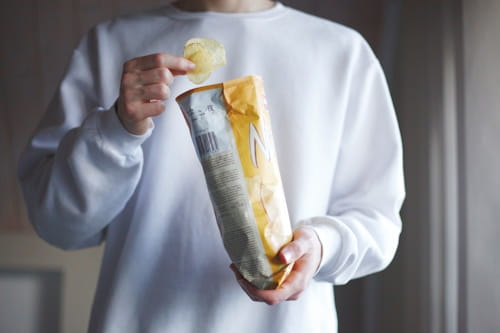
{"x":112,"y":160}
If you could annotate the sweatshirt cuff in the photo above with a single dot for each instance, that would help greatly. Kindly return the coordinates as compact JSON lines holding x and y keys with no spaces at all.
{"x":331,"y":245}
{"x":116,"y":136}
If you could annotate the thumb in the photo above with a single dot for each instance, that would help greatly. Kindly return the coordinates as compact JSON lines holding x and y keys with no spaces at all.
{"x":295,"y":249}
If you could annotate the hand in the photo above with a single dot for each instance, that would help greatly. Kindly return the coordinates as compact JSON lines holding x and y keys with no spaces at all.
{"x":305,"y":251}
{"x":144,"y":86}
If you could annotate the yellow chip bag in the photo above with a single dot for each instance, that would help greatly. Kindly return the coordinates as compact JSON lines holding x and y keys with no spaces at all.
{"x":231,"y":130}
{"x":207,"y":54}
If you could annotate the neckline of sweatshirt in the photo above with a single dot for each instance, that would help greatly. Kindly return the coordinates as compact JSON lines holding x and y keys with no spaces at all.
{"x":271,"y":13}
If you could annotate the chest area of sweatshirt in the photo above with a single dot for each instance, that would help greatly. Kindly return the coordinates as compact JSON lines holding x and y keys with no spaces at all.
{"x":304,"y":80}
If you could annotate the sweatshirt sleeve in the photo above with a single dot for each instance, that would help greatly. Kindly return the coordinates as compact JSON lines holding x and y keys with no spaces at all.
{"x":360,"y":232}
{"x":81,"y":166}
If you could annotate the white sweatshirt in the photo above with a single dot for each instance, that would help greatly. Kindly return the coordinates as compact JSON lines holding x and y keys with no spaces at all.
{"x":86,"y":179}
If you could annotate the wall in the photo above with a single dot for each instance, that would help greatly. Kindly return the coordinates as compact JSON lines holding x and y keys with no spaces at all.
{"x":27,"y":257}
{"x":444,"y":277}
{"x":481,"y":165}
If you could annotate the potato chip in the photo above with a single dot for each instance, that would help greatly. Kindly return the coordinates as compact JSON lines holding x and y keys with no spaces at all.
{"x":207,"y":54}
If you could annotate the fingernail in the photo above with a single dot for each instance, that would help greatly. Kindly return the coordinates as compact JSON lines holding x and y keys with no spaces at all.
{"x":190,"y":65}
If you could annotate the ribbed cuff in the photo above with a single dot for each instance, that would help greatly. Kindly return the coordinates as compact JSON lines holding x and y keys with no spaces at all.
{"x":116,"y":136}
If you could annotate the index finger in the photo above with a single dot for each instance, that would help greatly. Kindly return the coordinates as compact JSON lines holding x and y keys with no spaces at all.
{"x":178,"y":65}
